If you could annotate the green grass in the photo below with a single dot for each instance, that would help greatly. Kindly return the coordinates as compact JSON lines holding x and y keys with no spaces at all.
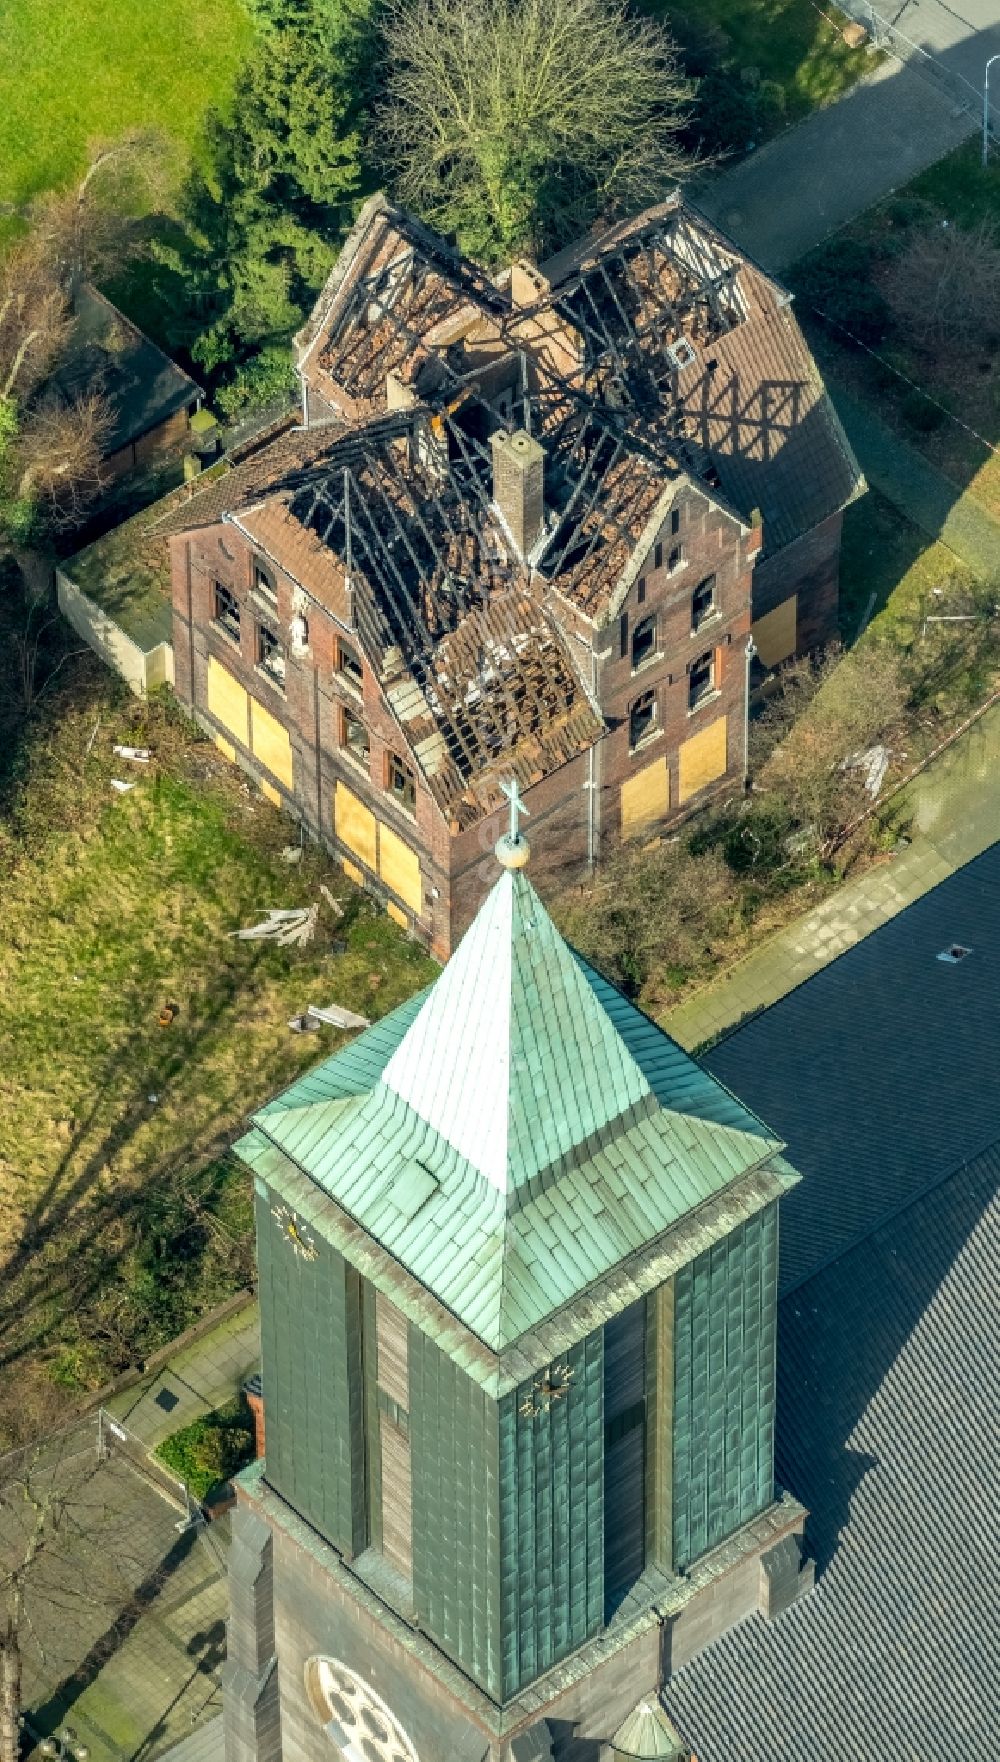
{"x":789,"y":42}
{"x":113,"y":906}
{"x":74,"y":74}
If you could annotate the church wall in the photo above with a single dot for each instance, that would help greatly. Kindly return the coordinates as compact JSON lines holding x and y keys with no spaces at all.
{"x":552,"y":1517}
{"x":315,"y":1617}
{"x":724,"y":1385}
{"x":310,"y":1347}
{"x":456,"y":1511}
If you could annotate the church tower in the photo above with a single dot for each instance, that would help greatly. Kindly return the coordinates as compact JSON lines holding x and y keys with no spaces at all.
{"x":517,"y":1264}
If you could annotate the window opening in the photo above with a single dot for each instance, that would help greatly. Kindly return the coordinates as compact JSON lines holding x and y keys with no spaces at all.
{"x":402,"y":783}
{"x":355,"y":738}
{"x":643,"y":641}
{"x":643,"y":719}
{"x":270,"y":655}
{"x":703,"y":602}
{"x":701,"y":680}
{"x":227,"y":611}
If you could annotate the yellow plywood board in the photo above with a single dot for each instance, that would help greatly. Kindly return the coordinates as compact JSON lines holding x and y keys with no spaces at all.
{"x":270,"y":794}
{"x":702,"y":758}
{"x":397,"y":914}
{"x":645,"y":798}
{"x":270,"y":742}
{"x":354,"y":825}
{"x":775,"y":634}
{"x":399,"y":867}
{"x":226,"y":748}
{"x":353,"y":873}
{"x":227,"y":701}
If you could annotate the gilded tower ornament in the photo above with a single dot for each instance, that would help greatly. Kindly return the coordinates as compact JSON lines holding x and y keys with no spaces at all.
{"x":294,"y":1232}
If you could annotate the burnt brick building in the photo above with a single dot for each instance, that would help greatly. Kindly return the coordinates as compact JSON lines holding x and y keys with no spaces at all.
{"x":524,"y":528}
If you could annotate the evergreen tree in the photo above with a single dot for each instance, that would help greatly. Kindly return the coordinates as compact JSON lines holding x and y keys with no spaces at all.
{"x":285,"y":178}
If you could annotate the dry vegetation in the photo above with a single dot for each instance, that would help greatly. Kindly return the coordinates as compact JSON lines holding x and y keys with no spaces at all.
{"x":118,"y":1221}
{"x":666,"y":917}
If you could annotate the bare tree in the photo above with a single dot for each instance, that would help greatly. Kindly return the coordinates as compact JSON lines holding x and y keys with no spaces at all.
{"x":89,"y":229}
{"x":56,"y":458}
{"x":35,"y":319}
{"x":516,"y":122}
{"x":60,"y":1553}
{"x":944,"y":288}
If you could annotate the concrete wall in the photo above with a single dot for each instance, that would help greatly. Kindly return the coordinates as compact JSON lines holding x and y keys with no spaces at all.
{"x":141,"y":670}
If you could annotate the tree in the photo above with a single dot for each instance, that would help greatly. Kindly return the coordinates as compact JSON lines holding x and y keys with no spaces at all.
{"x":514,"y":123}
{"x":285,"y":177}
{"x":944,"y":288}
{"x":60,"y":1550}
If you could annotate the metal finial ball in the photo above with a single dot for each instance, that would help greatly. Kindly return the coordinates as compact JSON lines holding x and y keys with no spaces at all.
{"x":512,"y":853}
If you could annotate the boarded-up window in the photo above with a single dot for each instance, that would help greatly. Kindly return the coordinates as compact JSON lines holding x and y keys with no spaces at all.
{"x":775,"y":634}
{"x":702,"y":758}
{"x":354,"y":825}
{"x":645,"y":798}
{"x":624,"y":1453}
{"x":399,"y":867}
{"x":392,"y":1375}
{"x":227,"y":701}
{"x":271,"y":743}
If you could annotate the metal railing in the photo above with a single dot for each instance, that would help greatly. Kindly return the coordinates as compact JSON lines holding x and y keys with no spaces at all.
{"x":953,"y":88}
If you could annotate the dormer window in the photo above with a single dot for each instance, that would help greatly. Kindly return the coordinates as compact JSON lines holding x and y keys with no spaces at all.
{"x":703,"y":602}
{"x":643,"y":641}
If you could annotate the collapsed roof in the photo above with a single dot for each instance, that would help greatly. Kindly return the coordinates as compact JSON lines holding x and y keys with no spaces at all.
{"x":653,"y":354}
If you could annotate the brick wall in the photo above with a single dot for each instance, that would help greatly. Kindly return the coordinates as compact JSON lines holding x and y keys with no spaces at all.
{"x":809,"y":568}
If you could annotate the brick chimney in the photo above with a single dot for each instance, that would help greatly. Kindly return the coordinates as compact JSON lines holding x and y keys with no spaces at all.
{"x":519,"y":485}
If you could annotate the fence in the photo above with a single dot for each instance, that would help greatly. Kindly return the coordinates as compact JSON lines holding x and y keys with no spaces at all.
{"x":952,"y":87}
{"x":116,"y":1440}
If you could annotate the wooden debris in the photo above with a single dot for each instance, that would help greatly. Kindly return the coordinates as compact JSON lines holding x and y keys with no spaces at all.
{"x":338,"y":1017}
{"x":122,"y":787}
{"x":286,"y":928}
{"x":140,"y":755}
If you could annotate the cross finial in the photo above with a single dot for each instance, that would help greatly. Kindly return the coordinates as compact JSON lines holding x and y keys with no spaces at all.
{"x":512,"y":850}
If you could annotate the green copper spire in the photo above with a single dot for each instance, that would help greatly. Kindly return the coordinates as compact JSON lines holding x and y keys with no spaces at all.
{"x":648,"y":1736}
{"x":518,"y":1131}
{"x":512,"y":1060}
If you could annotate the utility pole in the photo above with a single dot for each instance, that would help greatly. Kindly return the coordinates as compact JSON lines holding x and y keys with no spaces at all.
{"x":750,"y":651}
{"x":986,"y":108}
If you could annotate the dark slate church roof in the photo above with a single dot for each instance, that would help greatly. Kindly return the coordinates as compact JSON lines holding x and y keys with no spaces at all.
{"x":881,"y":1073}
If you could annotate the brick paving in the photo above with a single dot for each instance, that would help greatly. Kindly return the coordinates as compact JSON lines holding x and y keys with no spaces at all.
{"x":201,"y":1377}
{"x":954,"y":808}
{"x":132,"y":1662}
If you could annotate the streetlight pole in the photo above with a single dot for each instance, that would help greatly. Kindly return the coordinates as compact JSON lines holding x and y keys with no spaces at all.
{"x":750,"y":652}
{"x":986,"y":108}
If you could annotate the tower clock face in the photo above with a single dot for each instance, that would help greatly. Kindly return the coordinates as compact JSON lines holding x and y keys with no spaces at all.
{"x":361,"y":1727}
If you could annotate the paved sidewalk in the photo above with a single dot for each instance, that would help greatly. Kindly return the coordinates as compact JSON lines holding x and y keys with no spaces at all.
{"x":918,"y":489}
{"x":203,"y":1376}
{"x":954,"y":808}
{"x":814,"y":178}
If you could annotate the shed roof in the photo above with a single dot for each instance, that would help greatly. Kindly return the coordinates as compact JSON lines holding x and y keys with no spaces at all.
{"x":517,"y":1132}
{"x":106,"y":353}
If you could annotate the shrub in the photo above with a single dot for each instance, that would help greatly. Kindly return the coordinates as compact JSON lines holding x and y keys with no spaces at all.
{"x":212,"y":1449}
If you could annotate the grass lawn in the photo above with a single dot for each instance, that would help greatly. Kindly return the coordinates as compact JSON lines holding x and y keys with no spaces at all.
{"x":966,"y":381}
{"x":113,"y":906}
{"x":73,"y":74}
{"x":885,"y":556}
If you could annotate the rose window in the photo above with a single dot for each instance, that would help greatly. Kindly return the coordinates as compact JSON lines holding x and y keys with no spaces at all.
{"x":356,"y":1719}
